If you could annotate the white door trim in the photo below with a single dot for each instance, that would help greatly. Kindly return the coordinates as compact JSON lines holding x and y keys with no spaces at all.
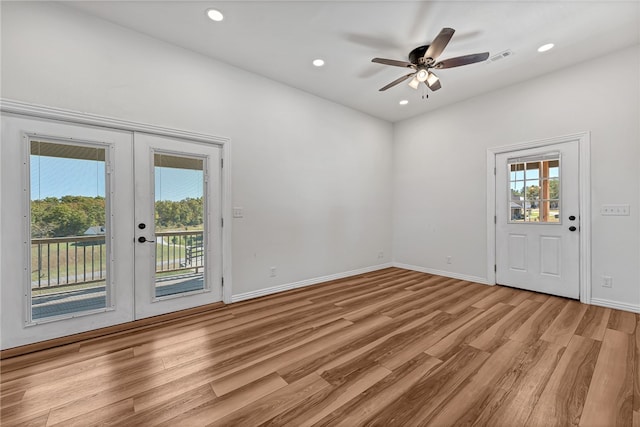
{"x":52,"y":113}
{"x":584,"y":144}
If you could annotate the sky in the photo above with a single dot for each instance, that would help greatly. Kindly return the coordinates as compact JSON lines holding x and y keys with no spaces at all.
{"x":57,"y":177}
{"x":177,"y":184}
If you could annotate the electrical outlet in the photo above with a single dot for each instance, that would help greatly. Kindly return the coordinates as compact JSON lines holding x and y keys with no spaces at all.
{"x":607,"y":281}
{"x":273,"y":272}
{"x":449,"y":259}
{"x":237,"y":212}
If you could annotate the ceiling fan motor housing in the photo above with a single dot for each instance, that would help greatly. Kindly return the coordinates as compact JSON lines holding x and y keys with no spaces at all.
{"x":416,"y":56}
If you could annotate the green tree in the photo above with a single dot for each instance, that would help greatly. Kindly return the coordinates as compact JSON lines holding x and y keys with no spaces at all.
{"x":554,"y":189}
{"x":67,"y":216}
{"x":73,"y":215}
{"x":533,"y":193}
{"x":66,"y":220}
{"x":171,"y":214}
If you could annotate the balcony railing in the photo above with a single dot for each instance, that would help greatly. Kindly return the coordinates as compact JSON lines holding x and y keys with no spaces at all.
{"x":65,"y":261}
{"x":179,"y":250}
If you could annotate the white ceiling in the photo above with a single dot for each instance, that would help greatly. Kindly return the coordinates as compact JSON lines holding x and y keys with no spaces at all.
{"x":279,"y":39}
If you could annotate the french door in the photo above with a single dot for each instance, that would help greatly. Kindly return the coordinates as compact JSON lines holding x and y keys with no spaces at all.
{"x":178,"y":225}
{"x":538,"y":219}
{"x":101,"y":227}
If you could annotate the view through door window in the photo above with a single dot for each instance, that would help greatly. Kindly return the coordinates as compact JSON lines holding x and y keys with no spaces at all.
{"x":534,"y":189}
{"x":179,"y":224}
{"x":69,"y":252}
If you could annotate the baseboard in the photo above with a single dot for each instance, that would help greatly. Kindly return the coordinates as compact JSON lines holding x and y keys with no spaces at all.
{"x":614,"y":304}
{"x":307,"y":282}
{"x":459,"y":276}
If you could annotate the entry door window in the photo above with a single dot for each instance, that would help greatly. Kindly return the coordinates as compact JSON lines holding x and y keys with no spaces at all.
{"x":534,"y":189}
{"x":69,"y":225}
{"x":179,"y":224}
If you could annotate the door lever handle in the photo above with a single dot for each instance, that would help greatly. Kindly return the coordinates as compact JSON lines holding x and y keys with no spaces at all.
{"x":143,"y":239}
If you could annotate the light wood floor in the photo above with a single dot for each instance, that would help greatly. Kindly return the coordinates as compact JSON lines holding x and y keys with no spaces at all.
{"x":389,"y":348}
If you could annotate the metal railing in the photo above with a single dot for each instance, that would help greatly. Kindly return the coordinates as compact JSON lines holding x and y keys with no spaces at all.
{"x":60,"y":261}
{"x":76,"y":260}
{"x":179,"y":250}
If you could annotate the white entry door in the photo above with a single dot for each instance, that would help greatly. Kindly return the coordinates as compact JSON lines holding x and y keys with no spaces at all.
{"x":538,"y":219}
{"x":67,"y":247}
{"x":178,"y":224}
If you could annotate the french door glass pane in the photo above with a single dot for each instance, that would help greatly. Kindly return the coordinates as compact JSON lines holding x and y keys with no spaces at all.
{"x":69,"y":252}
{"x":179,"y":224}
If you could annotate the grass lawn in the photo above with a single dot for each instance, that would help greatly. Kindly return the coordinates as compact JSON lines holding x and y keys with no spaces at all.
{"x":534,"y":215}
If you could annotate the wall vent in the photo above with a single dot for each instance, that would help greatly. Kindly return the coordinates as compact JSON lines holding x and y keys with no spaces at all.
{"x":501,"y":55}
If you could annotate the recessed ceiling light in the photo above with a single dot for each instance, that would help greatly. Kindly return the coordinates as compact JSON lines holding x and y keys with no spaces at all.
{"x":403,"y":102}
{"x":215,"y":15}
{"x":545,"y":47}
{"x":318,"y":62}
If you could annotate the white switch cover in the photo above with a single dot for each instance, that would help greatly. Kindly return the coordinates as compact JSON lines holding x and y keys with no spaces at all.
{"x":237,"y":212}
{"x":615,"y":210}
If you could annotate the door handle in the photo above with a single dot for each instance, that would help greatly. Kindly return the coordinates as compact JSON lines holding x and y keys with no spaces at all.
{"x":572,"y":218}
{"x":572,"y":228}
{"x":143,"y":239}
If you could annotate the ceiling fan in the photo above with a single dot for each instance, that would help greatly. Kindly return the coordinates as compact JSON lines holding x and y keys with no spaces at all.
{"x":423,"y":58}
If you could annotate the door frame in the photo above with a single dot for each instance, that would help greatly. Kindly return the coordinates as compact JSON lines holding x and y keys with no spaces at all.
{"x":584,"y":188}
{"x":70,"y":116}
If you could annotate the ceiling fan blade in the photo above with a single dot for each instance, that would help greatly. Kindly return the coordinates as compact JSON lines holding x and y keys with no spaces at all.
{"x":439,"y":43}
{"x":393,"y":62}
{"x":462,"y":60}
{"x":396,"y":81}
{"x":433,"y":82}
{"x":414,"y":83}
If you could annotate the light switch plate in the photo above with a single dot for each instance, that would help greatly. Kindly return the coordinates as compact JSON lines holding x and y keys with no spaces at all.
{"x":615,"y":210}
{"x":237,"y":212}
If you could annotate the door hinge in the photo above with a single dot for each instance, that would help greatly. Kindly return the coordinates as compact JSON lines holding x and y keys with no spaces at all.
{"x":222,"y":281}
{"x":495,"y":268}
{"x":221,"y":162}
{"x":494,"y":171}
{"x":221,"y":222}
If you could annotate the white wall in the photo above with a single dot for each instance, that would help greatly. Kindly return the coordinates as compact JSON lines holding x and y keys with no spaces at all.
{"x":440,"y":168}
{"x":313,"y":177}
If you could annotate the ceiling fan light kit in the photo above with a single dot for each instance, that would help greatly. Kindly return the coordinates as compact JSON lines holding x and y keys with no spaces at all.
{"x":423,"y":58}
{"x":422,"y":75}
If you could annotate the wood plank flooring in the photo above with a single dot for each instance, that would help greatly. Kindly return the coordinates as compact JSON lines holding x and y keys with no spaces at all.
{"x":388,"y":348}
